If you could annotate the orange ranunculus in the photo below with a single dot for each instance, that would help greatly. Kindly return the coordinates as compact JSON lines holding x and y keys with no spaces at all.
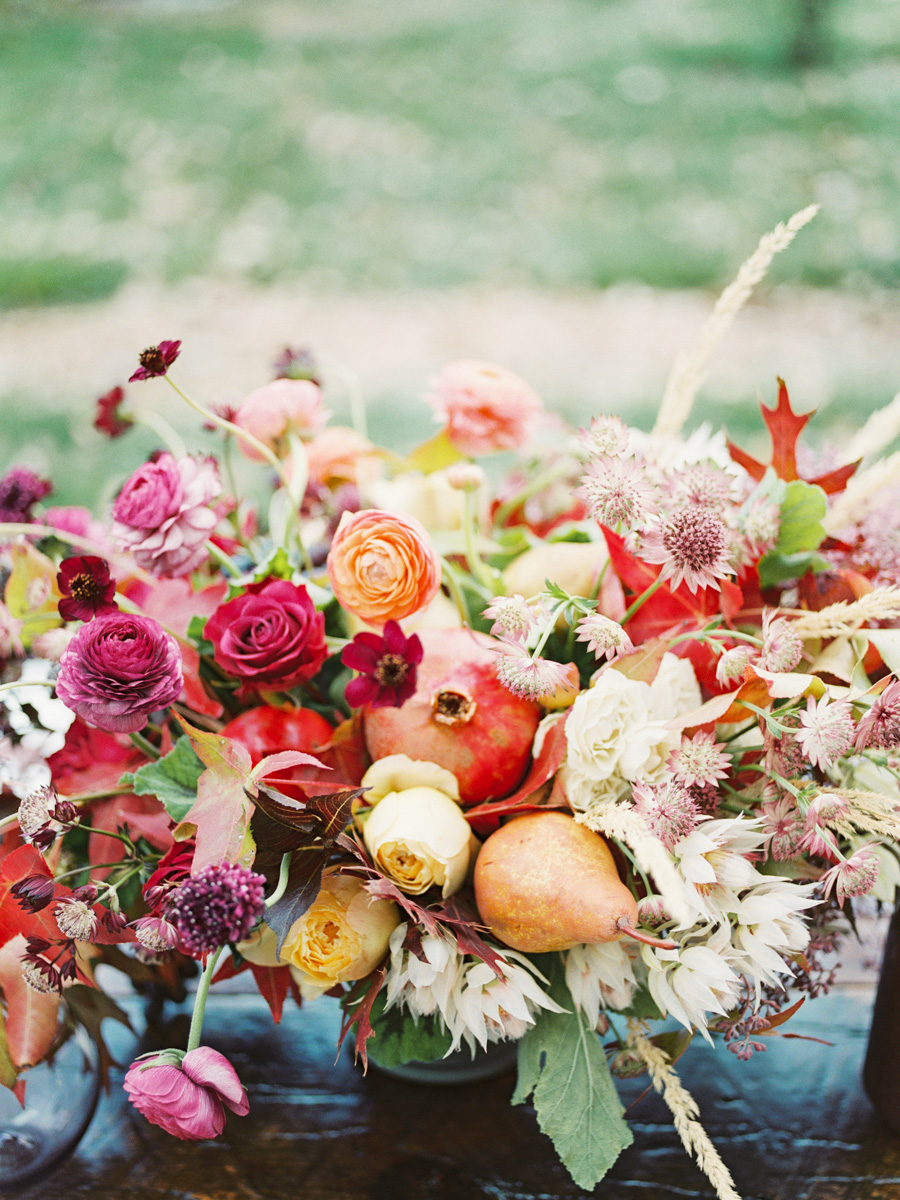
{"x":383,"y":566}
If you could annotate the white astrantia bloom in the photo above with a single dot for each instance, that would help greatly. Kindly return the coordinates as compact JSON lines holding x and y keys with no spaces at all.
{"x":599,"y":976}
{"x":766,"y":925}
{"x":486,"y":1008}
{"x":694,"y":980}
{"x":713,"y":865}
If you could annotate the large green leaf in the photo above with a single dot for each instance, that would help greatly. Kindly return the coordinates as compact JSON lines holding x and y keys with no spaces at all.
{"x":172,"y":779}
{"x":563,"y":1064}
{"x":398,"y":1039}
{"x":800,"y":532}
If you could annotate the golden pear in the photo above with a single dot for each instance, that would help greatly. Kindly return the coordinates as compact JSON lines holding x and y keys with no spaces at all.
{"x":543,"y":882}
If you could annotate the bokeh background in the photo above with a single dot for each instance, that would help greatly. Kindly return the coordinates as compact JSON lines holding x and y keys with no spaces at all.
{"x":560,"y":186}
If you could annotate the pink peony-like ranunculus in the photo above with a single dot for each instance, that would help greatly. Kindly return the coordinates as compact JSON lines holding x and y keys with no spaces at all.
{"x":117,"y":670}
{"x":283,"y":405}
{"x":383,"y":566}
{"x":269,"y":637}
{"x":187,"y":1099}
{"x":486,"y":408}
{"x":161,"y":514}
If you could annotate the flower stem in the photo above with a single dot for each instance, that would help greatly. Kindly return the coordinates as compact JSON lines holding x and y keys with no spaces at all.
{"x":161,"y":426}
{"x":281,"y":885}
{"x":473,"y":557}
{"x":200,"y":1000}
{"x":222,"y":558}
{"x":27,"y":683}
{"x":32,"y":529}
{"x":144,"y":746}
{"x":642,"y":599}
{"x":509,"y":506}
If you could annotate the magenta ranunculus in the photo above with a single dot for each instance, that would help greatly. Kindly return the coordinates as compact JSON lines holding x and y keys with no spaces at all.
{"x":117,"y":669}
{"x":269,"y":637}
{"x":162,"y":516}
{"x":186,"y":1099}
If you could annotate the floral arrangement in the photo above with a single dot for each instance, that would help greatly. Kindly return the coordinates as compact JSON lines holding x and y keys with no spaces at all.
{"x":542,"y":747}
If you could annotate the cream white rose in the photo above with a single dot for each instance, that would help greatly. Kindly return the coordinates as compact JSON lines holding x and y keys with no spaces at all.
{"x":420,"y":838}
{"x":343,"y":935}
{"x":429,"y":498}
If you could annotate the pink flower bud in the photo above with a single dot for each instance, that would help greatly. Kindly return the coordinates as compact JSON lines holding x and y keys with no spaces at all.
{"x":186,"y":1098}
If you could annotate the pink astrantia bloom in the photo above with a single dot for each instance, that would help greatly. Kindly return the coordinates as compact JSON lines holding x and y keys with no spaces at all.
{"x":162,"y":516}
{"x":604,"y":636}
{"x":513,"y":617}
{"x":692,"y":545}
{"x":277,"y":409}
{"x":387,"y":667}
{"x":783,"y":827}
{"x":531,"y":678}
{"x":782,"y":647}
{"x":699,"y":761}
{"x":618,"y":492}
{"x":606,"y":436}
{"x":485,"y":407}
{"x":186,"y":1095}
{"x":117,"y":670}
{"x":733,"y":662}
{"x":703,"y":484}
{"x":155,"y":934}
{"x":852,"y":877}
{"x":156,"y":360}
{"x":826,"y":732}
{"x":668,"y":810}
{"x":880,"y":727}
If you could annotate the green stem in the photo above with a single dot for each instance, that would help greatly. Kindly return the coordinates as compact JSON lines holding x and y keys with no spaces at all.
{"x":549,"y":626}
{"x":200,"y":1000}
{"x":281,"y":885}
{"x":642,"y":599}
{"x":473,"y":558}
{"x":452,"y":585}
{"x":23,"y":683}
{"x":222,"y":558}
{"x":144,"y":746}
{"x":530,"y":489}
{"x":160,"y":425}
{"x":32,"y":529}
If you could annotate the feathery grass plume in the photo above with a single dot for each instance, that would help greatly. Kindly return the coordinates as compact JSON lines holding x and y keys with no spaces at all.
{"x":620,"y":821}
{"x":862,"y":494}
{"x":870,"y":812}
{"x":847,"y":616}
{"x":684,"y":1110}
{"x":879,"y":431}
{"x":689,"y":370}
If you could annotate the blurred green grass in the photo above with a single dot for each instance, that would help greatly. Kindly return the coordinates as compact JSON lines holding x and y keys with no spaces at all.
{"x":547,"y":142}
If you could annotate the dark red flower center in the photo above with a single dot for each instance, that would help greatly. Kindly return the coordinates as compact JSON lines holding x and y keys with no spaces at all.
{"x":85,"y":587}
{"x":391,"y":670}
{"x":152,"y":359}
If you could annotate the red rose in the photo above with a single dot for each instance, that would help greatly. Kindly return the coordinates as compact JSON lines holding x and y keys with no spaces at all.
{"x":270,"y":637}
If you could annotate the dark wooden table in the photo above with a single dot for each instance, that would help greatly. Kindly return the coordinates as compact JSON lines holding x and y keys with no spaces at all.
{"x":792,"y":1124}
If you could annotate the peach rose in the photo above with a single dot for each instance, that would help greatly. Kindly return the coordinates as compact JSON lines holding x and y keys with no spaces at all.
{"x":382,"y":566}
{"x":272,"y":411}
{"x":486,"y":408}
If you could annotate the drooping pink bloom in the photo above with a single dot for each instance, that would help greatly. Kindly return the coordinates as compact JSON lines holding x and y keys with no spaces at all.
{"x":782,"y":647}
{"x":297,"y":363}
{"x":880,"y":727}
{"x":732,"y":664}
{"x":618,"y":492}
{"x":699,"y":761}
{"x":156,"y":360}
{"x":852,"y":877}
{"x":604,"y":636}
{"x":514,"y":619}
{"x":117,"y":670}
{"x":387,"y":667}
{"x":277,"y":408}
{"x":486,"y":408}
{"x":162,"y":516}
{"x":218,"y":905}
{"x":186,"y":1095}
{"x":87,"y":588}
{"x":827,"y":730}
{"x":692,"y":545}
{"x":532,"y":678}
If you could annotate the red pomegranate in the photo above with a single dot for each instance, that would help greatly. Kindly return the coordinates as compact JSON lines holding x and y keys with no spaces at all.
{"x":267,"y":730}
{"x":460,"y":717}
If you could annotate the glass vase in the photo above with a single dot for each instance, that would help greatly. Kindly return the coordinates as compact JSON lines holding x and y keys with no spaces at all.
{"x":60,"y":1098}
{"x":459,"y":1067}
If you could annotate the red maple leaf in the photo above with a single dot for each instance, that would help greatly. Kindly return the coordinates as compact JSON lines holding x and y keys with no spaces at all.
{"x":785,"y":427}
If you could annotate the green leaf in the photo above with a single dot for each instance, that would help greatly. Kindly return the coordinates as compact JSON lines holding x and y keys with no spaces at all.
{"x":196,"y":626}
{"x":172,"y":779}
{"x":8,"y":1072}
{"x":800,"y":533}
{"x":398,"y":1039}
{"x":563,"y":1064}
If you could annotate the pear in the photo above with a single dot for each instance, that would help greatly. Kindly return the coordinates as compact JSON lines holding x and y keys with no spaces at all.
{"x":543,"y":882}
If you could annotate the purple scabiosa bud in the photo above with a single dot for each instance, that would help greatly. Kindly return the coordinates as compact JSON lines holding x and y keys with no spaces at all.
{"x":220,"y":904}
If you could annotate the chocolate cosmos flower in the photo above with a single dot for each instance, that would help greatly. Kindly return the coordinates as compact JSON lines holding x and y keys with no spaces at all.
{"x":156,"y":360}
{"x":109,"y":419}
{"x":387,"y":667}
{"x":87,"y":589}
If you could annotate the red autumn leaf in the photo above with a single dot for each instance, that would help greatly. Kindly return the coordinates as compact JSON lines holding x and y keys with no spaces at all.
{"x":358,"y":1012}
{"x":785,"y":427}
{"x":273,"y":984}
{"x":486,"y":817}
{"x":31,"y":1016}
{"x":14,"y":919}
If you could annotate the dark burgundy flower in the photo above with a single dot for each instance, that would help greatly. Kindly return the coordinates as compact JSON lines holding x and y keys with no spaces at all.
{"x":20,"y":490}
{"x":271,"y":636}
{"x":156,"y":360}
{"x":34,"y":892}
{"x":87,"y":588}
{"x":387,"y":667}
{"x":218,"y":905}
{"x":296,"y":364}
{"x":109,"y":419}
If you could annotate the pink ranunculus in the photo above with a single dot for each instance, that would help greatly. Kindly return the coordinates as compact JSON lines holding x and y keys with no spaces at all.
{"x":188,"y":1099}
{"x":73,"y":518}
{"x":486,"y":408}
{"x":269,"y":637}
{"x":118,"y":669}
{"x":162,"y":516}
{"x":272,"y":411}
